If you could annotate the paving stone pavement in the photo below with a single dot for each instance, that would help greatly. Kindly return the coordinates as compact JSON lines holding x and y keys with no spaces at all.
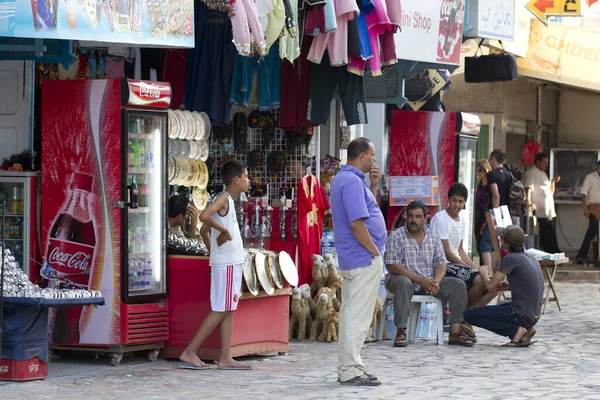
{"x":563,"y":364}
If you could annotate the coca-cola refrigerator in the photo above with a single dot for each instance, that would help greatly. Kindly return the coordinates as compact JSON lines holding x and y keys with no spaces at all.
{"x":20,"y":191}
{"x":440,"y":144}
{"x":104,"y":220}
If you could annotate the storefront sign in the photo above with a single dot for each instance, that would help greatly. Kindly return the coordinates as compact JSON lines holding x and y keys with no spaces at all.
{"x":405,"y":189}
{"x":520,"y":43}
{"x":492,"y":19}
{"x":136,"y":22}
{"x":543,"y":9}
{"x":431,"y":31}
{"x":562,"y":54}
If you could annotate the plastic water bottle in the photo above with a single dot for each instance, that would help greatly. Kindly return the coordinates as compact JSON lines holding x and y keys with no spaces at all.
{"x":328,"y":243}
{"x":422,"y":328}
{"x":145,"y":242}
{"x":137,"y":241}
{"x":432,"y":323}
{"x":389,"y":321}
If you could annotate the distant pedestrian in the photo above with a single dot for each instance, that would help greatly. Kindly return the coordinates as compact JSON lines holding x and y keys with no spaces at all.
{"x":539,"y":190}
{"x":360,"y":236}
{"x":590,"y":200}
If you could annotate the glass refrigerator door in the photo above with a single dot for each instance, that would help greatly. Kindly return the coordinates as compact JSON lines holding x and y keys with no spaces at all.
{"x":16,"y":221}
{"x":146,"y":196}
{"x":467,"y":148}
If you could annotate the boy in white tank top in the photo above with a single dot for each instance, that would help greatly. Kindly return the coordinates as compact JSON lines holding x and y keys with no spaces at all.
{"x":226,"y":259}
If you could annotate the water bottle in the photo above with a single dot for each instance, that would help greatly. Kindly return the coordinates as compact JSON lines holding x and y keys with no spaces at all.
{"x":149,"y":273}
{"x":137,"y":241}
{"x":432,"y":325}
{"x":422,"y":328}
{"x":389,"y":321}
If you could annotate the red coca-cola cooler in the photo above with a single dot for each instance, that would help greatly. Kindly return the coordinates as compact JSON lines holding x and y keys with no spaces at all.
{"x":104,"y":220}
{"x":432,"y":144}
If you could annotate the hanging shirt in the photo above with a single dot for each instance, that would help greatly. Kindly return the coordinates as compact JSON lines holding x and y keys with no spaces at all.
{"x":276,"y":23}
{"x":311,"y":210}
{"x":289,"y":45}
{"x":336,"y":43}
{"x":245,"y":22}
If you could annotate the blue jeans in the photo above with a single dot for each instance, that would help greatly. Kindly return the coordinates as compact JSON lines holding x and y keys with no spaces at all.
{"x":501,"y":319}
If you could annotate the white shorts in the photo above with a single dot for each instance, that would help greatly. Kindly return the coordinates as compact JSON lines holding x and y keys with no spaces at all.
{"x":225,"y":287}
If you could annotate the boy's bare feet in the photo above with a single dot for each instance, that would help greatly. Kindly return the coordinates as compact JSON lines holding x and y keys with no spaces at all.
{"x":232,"y":364}
{"x":193,"y":360}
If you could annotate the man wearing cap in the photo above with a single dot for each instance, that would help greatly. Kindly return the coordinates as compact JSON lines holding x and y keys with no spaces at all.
{"x":590,"y":200}
{"x":515,"y":319}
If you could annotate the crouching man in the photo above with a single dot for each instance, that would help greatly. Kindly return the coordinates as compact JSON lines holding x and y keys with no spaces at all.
{"x":515,"y":319}
{"x":415,"y":258}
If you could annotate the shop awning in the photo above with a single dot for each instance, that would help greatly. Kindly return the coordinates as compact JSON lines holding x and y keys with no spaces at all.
{"x":562,"y":54}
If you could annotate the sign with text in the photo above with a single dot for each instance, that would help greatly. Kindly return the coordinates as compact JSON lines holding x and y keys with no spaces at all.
{"x":492,"y":19}
{"x":543,"y":9}
{"x":431,"y":31}
{"x":562,"y":54}
{"x":165,"y":23}
{"x":404,"y":189}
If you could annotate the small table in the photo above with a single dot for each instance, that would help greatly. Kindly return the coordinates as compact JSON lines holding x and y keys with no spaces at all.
{"x":549,"y":268}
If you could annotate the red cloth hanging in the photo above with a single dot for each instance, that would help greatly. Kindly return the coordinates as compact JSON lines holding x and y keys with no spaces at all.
{"x":530,"y":150}
{"x":311,"y":210}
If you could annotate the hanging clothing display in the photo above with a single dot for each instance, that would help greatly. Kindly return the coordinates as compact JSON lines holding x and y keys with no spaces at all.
{"x":324,"y":79}
{"x":210,"y":65}
{"x":335,"y":42}
{"x":289,"y":44}
{"x":268,"y":80}
{"x":173,"y":71}
{"x":311,"y":210}
{"x":295,"y":90}
{"x":247,"y":30}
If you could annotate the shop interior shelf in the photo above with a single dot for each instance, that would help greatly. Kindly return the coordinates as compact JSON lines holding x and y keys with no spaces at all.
{"x":147,"y":136}
{"x":140,"y":210}
{"x":136,"y":256}
{"x":131,"y":170}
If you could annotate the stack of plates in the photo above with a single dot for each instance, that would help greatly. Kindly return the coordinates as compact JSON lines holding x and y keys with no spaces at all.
{"x":187,"y":125}
{"x":187,"y":172}
{"x":268,"y":269}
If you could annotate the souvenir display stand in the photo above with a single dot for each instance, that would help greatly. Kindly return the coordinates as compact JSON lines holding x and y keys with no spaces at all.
{"x":24,"y":354}
{"x":260,"y":324}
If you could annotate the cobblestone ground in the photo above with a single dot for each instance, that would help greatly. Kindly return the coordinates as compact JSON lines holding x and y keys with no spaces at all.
{"x":563,"y":364}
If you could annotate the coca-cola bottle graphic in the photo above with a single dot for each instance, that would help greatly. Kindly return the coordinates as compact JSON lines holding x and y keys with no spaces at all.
{"x":70,"y":253}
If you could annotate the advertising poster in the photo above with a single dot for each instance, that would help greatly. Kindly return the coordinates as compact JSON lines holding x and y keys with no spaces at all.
{"x":141,"y":22}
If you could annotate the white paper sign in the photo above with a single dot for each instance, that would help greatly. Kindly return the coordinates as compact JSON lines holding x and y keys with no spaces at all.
{"x":492,"y":19}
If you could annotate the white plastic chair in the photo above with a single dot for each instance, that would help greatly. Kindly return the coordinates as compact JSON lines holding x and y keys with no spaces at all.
{"x":415,"y":310}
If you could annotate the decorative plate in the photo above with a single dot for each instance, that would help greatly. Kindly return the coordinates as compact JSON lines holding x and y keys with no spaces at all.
{"x":174,"y":124}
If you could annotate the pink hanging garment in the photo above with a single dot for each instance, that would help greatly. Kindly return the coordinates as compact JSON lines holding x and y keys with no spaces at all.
{"x":245,"y":21}
{"x":336,"y":42}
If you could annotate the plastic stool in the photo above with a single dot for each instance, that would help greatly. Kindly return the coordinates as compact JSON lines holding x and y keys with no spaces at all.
{"x":415,"y":310}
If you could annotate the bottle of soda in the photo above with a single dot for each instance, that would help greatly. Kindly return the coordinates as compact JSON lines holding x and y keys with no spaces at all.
{"x":130,"y":155}
{"x":133,"y":193}
{"x":143,"y":192}
{"x":134,"y":151}
{"x":71,"y":248}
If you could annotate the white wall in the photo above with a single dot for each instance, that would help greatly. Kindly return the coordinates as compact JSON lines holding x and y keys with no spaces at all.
{"x":14,"y":107}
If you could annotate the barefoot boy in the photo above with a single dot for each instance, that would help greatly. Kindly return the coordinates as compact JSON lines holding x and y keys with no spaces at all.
{"x":226,"y":258}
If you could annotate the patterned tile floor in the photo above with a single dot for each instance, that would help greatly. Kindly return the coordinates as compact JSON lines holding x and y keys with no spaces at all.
{"x":563,"y":364}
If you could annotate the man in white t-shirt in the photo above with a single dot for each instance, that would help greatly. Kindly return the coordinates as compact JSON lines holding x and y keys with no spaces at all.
{"x":539,"y":190}
{"x":590,"y":200}
{"x":451,"y":226}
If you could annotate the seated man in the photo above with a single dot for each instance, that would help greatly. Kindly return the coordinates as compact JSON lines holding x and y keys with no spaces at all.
{"x":515,"y":319}
{"x":415,"y":258}
{"x":451,"y":226}
{"x":179,"y":209}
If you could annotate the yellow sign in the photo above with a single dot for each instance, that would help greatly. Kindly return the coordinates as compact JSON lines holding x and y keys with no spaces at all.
{"x":562,"y":54}
{"x":543,"y":9}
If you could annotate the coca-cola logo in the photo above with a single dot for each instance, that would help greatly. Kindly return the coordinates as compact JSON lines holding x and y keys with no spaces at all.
{"x":33,"y":368}
{"x":79,"y":260}
{"x":3,"y":369}
{"x":151,"y":91}
{"x":452,"y":6}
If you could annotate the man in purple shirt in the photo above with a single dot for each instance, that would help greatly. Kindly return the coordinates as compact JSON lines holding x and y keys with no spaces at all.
{"x":360,"y":236}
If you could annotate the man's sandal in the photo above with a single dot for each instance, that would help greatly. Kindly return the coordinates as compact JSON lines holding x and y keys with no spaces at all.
{"x":362,"y":380}
{"x":460,"y":339}
{"x":469,"y":331}
{"x":518,"y":344}
{"x":400,"y":340}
